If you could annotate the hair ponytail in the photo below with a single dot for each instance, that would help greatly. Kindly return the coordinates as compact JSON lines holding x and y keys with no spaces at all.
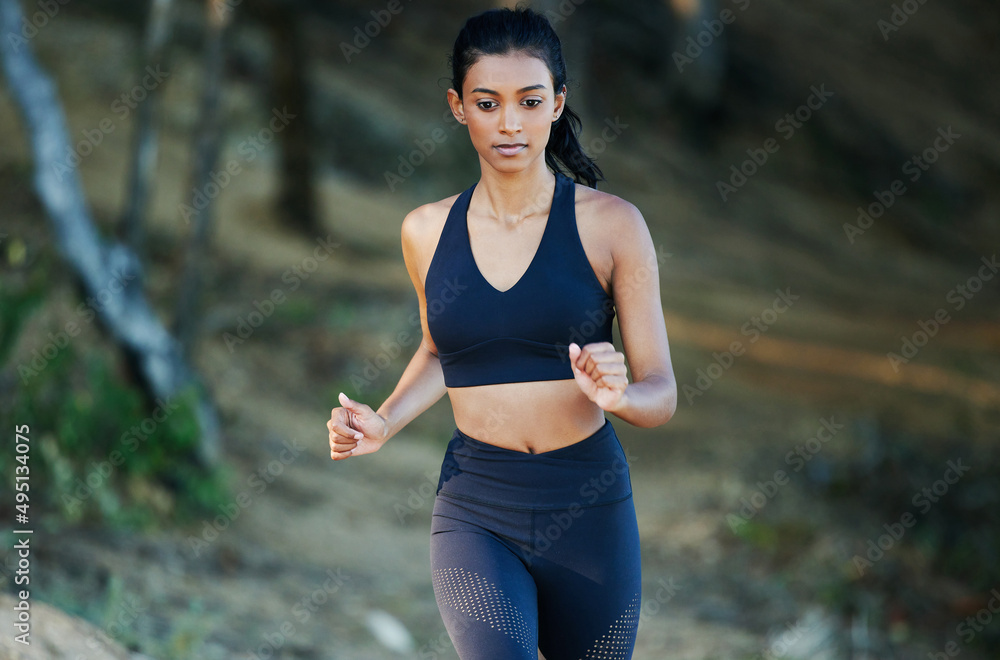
{"x":564,"y":147}
{"x":502,"y":31}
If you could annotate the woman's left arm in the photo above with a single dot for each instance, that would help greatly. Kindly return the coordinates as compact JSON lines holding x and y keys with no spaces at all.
{"x":651,"y":398}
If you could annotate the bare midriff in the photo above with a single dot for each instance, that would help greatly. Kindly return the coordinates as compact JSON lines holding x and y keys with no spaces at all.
{"x":530,"y":417}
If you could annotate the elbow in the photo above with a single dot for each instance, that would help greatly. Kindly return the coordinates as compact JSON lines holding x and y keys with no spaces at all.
{"x":669,"y":402}
{"x":669,"y":414}
{"x":666,"y":405}
{"x":671,"y":406}
{"x":664,"y":415}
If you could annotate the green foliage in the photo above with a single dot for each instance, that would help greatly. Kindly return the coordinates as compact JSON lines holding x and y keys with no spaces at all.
{"x":296,"y":311}
{"x":16,"y":305}
{"x":341,"y":314}
{"x":188,"y":634}
{"x":99,"y":451}
{"x":758,"y":534}
{"x":124,"y":614}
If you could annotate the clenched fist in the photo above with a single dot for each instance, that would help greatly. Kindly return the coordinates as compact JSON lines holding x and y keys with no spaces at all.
{"x":355,"y":429}
{"x":600,"y":372}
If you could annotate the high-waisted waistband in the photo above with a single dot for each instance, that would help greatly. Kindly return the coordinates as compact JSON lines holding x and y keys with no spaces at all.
{"x":587,"y":473}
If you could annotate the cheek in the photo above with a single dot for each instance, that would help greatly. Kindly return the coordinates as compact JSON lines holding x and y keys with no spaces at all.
{"x":542,"y":123}
{"x":481,"y":129}
{"x":477,"y":123}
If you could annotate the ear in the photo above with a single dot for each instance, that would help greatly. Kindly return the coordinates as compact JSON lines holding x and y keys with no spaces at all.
{"x":560,"y":103}
{"x":455,"y":103}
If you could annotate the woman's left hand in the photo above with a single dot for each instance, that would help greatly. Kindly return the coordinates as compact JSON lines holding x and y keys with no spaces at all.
{"x":600,"y":372}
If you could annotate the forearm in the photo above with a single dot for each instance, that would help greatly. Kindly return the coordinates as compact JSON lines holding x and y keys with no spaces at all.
{"x":420,"y":387}
{"x":649,"y":402}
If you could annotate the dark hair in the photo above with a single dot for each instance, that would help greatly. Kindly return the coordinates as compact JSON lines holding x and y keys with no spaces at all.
{"x":503,"y":31}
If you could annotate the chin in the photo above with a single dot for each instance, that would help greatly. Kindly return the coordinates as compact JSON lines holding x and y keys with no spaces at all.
{"x":518,"y":163}
{"x":508,"y":167}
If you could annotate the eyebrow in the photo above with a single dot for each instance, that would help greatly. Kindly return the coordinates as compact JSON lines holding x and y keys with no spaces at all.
{"x":520,"y":91}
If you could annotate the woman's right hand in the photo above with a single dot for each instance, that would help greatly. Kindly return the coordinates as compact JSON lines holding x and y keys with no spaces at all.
{"x":355,"y":429}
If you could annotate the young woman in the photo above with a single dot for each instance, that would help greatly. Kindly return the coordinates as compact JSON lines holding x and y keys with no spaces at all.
{"x":534,"y":543}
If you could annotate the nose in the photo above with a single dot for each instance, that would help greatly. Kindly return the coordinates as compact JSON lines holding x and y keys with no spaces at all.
{"x":510,"y":121}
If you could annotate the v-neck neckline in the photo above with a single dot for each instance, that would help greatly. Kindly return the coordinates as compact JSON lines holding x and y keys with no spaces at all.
{"x":534,"y":257}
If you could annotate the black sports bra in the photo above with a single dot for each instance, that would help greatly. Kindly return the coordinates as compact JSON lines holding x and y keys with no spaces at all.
{"x":486,"y":336}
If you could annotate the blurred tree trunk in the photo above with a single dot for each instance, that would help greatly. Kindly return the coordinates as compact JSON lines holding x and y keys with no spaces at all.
{"x":697,"y":72}
{"x":204,"y":189}
{"x":149,"y":349}
{"x":297,"y":178}
{"x":701,"y":68}
{"x":144,"y":147}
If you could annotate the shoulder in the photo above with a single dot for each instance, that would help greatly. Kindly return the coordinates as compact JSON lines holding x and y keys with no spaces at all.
{"x":426,"y":217}
{"x":617,"y":222}
{"x":421,"y":229}
{"x":425,"y":223}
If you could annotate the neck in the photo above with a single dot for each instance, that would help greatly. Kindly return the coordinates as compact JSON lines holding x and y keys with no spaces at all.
{"x":511,"y":197}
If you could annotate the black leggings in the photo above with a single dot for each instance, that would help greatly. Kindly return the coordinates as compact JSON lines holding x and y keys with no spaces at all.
{"x":537,"y":551}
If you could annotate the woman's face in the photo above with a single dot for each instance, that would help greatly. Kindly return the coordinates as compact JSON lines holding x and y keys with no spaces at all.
{"x":509,"y":105}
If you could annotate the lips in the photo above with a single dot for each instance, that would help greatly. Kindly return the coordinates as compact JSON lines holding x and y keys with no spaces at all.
{"x":510,"y":149}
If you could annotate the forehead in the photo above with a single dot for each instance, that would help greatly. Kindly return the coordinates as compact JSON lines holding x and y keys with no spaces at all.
{"x":507,"y":72}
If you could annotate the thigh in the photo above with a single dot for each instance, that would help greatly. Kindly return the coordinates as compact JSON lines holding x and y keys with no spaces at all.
{"x":587,"y":570}
{"x":484,"y":592}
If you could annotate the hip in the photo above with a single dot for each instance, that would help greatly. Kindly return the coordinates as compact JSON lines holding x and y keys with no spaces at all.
{"x":591,"y":472}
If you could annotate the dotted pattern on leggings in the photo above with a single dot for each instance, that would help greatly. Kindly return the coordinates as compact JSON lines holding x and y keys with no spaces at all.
{"x":480,"y":599}
{"x":616,"y":644}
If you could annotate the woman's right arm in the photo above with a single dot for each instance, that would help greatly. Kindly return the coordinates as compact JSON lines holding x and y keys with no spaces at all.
{"x":355,"y":429}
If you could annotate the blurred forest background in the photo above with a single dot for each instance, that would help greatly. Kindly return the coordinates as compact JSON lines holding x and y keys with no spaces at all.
{"x":199,"y":244}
